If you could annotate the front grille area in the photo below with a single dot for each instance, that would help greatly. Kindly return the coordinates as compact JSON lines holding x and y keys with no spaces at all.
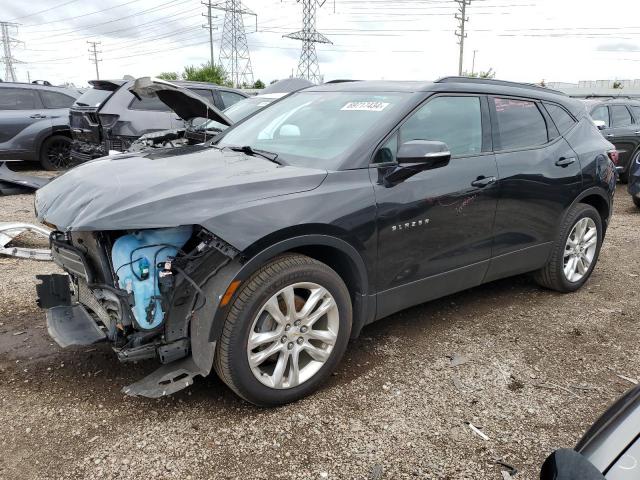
{"x":69,"y":258}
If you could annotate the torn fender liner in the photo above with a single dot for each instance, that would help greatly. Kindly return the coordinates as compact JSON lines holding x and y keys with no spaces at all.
{"x":166,"y":380}
{"x":19,"y":181}
{"x":72,"y":325}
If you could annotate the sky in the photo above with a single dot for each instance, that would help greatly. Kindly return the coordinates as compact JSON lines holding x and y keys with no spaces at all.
{"x":521,"y":40}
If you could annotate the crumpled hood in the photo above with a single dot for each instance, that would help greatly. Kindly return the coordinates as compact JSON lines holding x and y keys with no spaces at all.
{"x":165,"y":188}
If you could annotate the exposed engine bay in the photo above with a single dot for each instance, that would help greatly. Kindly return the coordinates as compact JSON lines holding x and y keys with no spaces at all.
{"x":138,"y":290}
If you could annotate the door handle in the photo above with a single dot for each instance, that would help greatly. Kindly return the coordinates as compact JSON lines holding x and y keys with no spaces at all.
{"x":565,"y":162}
{"x":37,"y":115}
{"x":610,"y":135}
{"x":482,"y":182}
{"x":637,"y":133}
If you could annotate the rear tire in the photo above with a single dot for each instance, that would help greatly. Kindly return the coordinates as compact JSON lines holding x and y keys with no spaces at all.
{"x":55,"y":153}
{"x":302,"y":351}
{"x":576,"y":255}
{"x":636,"y":201}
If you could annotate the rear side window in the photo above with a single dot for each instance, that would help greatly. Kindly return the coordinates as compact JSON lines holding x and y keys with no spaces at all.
{"x":602,"y":114}
{"x":636,"y":113}
{"x":520,"y":124}
{"x":204,"y":93}
{"x":56,"y":99}
{"x":560,"y":117}
{"x":620,"y":116}
{"x":229,"y":98}
{"x":18,"y":99}
{"x":94,"y":97}
{"x":149,"y":103}
{"x":456,"y":121}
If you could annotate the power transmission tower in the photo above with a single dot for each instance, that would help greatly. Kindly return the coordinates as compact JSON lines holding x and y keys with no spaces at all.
{"x":211,"y":28}
{"x":94,"y":56}
{"x":234,"y":52}
{"x":7,"y":43}
{"x":462,"y":19}
{"x":308,"y":65}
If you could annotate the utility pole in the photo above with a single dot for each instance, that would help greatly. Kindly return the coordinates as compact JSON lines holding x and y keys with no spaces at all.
{"x":462,"y":19}
{"x":308,"y":65}
{"x":94,"y":56}
{"x":234,"y":51}
{"x":473,"y":64}
{"x":211,"y":28}
{"x":7,"y":43}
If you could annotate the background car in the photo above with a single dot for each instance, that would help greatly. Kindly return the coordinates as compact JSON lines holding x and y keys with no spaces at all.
{"x":34,"y":123}
{"x":610,"y":449}
{"x":619,"y":121}
{"x":109,"y":117}
{"x":634,"y":181}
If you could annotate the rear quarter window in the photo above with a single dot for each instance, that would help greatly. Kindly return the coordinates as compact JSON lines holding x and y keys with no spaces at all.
{"x":560,"y":117}
{"x":18,"y":99}
{"x":229,"y":98}
{"x":520,"y":124}
{"x":636,"y":112}
{"x":56,"y":99}
{"x":153,"y":104}
{"x":620,"y":116}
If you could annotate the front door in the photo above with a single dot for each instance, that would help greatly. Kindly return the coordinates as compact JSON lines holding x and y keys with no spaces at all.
{"x":435,"y":228}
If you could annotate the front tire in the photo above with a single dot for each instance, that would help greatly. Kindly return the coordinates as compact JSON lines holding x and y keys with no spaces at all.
{"x":55,"y":153}
{"x":286,"y":331}
{"x":575,"y":252}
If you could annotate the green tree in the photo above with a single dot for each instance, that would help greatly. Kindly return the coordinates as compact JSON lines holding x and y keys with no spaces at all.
{"x":618,"y":85}
{"x":488,"y":74}
{"x":205,"y":73}
{"x":258,"y":84}
{"x":168,"y":76}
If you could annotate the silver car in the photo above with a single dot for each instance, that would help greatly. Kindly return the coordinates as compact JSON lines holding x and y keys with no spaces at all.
{"x":34,"y":123}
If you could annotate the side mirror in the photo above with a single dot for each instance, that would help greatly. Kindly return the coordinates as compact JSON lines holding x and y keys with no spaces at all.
{"x":434,"y":154}
{"x":567,"y":464}
{"x":600,"y":124}
{"x":414,"y":157}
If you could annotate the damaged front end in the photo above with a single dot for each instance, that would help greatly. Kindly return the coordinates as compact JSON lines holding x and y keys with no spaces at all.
{"x":143,"y":292}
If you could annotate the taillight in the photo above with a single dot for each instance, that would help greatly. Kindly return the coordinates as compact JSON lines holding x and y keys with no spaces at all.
{"x":613,"y":155}
{"x":108,"y":120}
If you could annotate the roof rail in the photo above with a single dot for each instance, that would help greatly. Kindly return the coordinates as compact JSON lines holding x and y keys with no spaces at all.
{"x":339,"y":80}
{"x":503,"y":83}
{"x":602,"y":95}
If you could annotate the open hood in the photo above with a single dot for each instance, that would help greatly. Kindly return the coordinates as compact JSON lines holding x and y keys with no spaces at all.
{"x":186,"y":104}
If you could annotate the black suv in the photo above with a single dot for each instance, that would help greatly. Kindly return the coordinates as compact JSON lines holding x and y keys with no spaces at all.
{"x":109,"y":117}
{"x":262,"y":253}
{"x":34,"y":123}
{"x":619,"y":120}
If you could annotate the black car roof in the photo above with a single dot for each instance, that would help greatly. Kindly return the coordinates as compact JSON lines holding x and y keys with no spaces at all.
{"x":457,"y":84}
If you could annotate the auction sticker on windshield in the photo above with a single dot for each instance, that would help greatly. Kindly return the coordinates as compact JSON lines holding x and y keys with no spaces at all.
{"x":366,"y":106}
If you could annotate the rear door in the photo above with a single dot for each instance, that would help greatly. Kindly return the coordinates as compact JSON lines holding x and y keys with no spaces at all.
{"x":21,"y":119}
{"x":435,"y":229}
{"x":622,"y":133}
{"x":56,"y":106}
{"x":539,"y":176}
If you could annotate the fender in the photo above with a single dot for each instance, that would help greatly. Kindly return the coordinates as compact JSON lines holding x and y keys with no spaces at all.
{"x":600,"y":192}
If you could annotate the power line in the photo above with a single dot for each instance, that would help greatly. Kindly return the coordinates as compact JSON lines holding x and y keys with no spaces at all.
{"x":94,"y":56}
{"x":209,"y":26}
{"x":462,"y":19}
{"x":45,"y":10}
{"x":7,"y":43}
{"x":308,"y":65}
{"x":234,"y":50}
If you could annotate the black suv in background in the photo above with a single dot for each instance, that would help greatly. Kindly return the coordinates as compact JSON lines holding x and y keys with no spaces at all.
{"x":619,"y":120}
{"x":260,"y":254}
{"x":109,"y":117}
{"x":34,"y":123}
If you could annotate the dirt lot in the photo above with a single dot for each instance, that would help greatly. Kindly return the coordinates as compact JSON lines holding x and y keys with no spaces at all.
{"x":539,"y":369}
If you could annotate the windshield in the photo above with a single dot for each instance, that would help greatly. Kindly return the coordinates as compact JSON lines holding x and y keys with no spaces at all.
{"x":93,"y":97}
{"x":313,"y":129}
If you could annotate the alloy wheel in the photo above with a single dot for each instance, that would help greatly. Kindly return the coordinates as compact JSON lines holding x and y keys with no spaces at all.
{"x":59,"y":153}
{"x":580,"y":249}
{"x":293,"y":335}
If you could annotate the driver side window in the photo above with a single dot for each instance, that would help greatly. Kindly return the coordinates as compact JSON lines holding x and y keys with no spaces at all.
{"x":456,"y":121}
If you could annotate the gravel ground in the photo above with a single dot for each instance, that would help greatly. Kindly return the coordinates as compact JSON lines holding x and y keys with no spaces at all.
{"x":531,"y":368}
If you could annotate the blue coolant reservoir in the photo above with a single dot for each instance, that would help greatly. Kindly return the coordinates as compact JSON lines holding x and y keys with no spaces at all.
{"x":135,"y":259}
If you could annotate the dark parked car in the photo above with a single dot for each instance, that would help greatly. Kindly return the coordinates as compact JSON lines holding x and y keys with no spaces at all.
{"x":609,"y":450}
{"x":34,"y":123}
{"x":619,"y":121}
{"x":634,"y":181}
{"x":108,"y":117}
{"x":262,"y":253}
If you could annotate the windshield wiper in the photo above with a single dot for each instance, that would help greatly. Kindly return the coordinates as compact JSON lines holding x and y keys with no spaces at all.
{"x":248,"y":150}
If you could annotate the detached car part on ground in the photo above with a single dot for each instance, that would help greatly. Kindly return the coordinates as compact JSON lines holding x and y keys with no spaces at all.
{"x":609,"y":450}
{"x":262,"y":254}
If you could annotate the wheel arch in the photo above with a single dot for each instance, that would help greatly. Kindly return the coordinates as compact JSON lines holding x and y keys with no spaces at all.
{"x":335,"y":252}
{"x":46,"y":134}
{"x":599,"y":200}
